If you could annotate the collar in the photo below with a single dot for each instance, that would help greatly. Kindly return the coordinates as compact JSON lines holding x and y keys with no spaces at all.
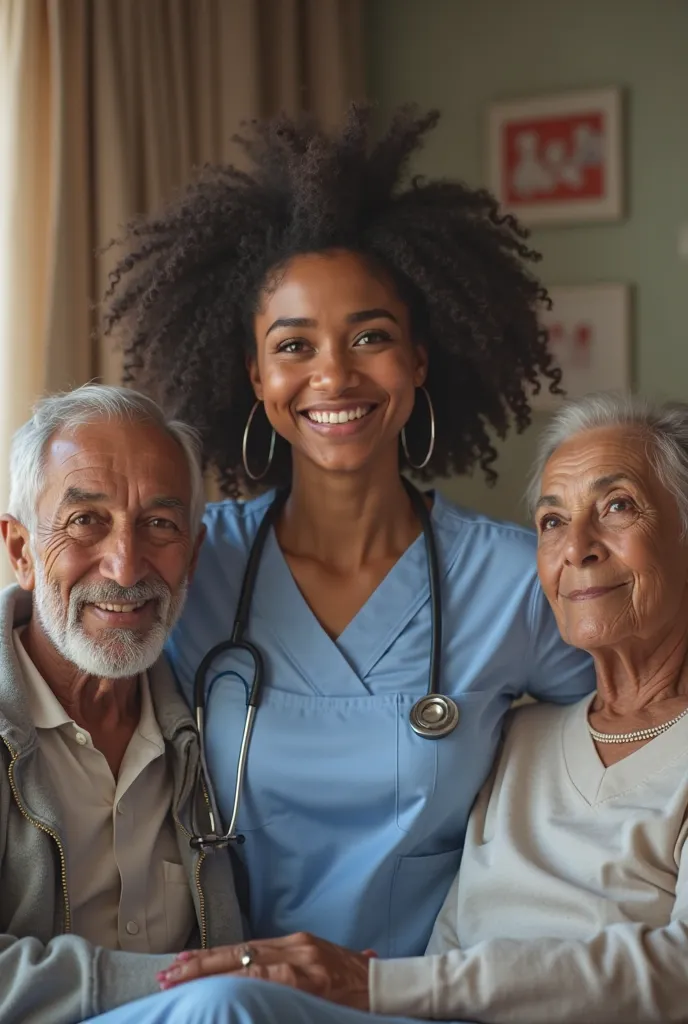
{"x":17,"y":727}
{"x":46,"y":710}
{"x":48,"y":713}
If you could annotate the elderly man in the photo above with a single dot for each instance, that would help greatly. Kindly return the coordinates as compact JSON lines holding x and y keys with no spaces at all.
{"x":98,"y":881}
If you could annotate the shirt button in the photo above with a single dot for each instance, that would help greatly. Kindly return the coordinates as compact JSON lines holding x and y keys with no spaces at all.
{"x":132,"y":928}
{"x":81,"y":738}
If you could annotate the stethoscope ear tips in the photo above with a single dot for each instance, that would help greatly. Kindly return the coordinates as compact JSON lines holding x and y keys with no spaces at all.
{"x":214,"y":842}
{"x":203,"y":843}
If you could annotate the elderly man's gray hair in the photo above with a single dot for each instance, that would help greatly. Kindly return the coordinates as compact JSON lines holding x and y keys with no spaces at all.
{"x":76,"y":408}
{"x":664,"y":424}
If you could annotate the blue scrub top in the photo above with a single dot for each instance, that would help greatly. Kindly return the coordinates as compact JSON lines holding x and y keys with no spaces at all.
{"x":354,"y":825}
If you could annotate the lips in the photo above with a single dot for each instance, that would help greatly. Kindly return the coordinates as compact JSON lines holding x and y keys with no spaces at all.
{"x":122,"y":608}
{"x":129,"y":614}
{"x":333,"y":417}
{"x":590,"y":593}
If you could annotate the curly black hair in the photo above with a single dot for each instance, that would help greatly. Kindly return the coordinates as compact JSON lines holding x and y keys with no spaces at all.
{"x":184,"y":296}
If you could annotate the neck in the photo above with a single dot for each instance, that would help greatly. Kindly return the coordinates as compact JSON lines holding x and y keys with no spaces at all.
{"x":347,"y":518}
{"x":641,"y":676}
{"x":92,"y":702}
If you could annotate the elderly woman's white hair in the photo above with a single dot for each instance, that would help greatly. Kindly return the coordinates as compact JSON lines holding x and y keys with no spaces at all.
{"x":664,"y":424}
{"x":76,"y":408}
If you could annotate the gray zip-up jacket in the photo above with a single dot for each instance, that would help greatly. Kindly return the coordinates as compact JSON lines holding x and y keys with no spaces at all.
{"x":47,"y":974}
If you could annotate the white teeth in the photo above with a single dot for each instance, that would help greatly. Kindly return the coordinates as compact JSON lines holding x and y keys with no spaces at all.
{"x":119,"y":607}
{"x":341,"y":416}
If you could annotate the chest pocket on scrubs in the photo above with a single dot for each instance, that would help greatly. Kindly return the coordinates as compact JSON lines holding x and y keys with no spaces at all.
{"x":437,"y":825}
{"x":322,"y":759}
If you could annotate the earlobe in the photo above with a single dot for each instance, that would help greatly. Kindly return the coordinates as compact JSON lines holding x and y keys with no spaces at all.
{"x":254,"y":377}
{"x":17,"y":542}
{"x":421,"y":372}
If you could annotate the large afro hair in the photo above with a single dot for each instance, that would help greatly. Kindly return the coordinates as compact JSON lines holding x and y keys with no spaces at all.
{"x":183,"y":296}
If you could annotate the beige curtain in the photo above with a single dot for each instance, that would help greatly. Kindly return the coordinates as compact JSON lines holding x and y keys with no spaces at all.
{"x":106,"y":106}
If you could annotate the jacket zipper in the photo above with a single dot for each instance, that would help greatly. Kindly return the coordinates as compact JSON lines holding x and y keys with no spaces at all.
{"x":199,"y":889}
{"x":197,"y":878}
{"x":43,"y":828}
{"x":63,"y":862}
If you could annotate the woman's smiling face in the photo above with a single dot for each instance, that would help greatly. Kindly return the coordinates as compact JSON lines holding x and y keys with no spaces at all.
{"x":611,"y":557}
{"x":335,"y":362}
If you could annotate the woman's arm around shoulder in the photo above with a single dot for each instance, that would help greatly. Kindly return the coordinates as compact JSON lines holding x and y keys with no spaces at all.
{"x":558,"y":672}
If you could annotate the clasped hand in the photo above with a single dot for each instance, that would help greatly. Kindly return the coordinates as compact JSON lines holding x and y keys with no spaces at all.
{"x":301,"y":961}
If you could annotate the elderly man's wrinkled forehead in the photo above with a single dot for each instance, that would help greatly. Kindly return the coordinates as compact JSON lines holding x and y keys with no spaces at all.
{"x":131,"y":465}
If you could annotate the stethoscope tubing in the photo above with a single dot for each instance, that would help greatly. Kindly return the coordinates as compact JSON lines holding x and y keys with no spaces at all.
{"x":237,"y":642}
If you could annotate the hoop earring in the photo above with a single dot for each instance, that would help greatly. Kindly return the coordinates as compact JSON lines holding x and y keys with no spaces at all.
{"x":244,"y":446}
{"x":431,"y":446}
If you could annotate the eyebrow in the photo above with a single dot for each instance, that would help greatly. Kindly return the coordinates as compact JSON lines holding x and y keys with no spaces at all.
{"x":174,"y":504}
{"x":360,"y":317}
{"x":75,"y":496}
{"x":601,"y":484}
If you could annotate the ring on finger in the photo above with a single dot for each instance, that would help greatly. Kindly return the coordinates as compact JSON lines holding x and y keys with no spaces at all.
{"x":248,"y":956}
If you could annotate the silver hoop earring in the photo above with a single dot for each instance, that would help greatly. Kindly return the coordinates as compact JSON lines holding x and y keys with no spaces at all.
{"x":244,"y":446}
{"x":431,"y":446}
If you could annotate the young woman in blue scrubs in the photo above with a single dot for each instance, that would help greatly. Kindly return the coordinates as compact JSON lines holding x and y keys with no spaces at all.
{"x":326,"y":327}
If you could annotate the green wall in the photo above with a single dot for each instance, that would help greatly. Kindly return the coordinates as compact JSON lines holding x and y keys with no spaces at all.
{"x":459,"y":55}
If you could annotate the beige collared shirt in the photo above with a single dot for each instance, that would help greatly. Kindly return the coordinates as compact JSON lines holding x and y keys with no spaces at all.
{"x":127,"y":887}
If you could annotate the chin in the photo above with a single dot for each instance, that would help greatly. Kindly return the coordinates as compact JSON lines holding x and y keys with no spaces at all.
{"x":352,"y":458}
{"x":344,"y":462}
{"x":588,"y":637}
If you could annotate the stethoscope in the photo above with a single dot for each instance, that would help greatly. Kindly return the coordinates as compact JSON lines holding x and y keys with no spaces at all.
{"x":431,"y":717}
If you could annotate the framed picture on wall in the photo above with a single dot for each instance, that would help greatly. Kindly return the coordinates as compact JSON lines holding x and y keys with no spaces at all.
{"x":588,"y":330}
{"x":558,"y":159}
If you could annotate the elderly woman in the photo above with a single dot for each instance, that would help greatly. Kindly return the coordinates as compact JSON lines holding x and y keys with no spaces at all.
{"x":571,"y":903}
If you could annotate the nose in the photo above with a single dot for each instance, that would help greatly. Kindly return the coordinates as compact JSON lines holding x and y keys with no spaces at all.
{"x":122,"y":560}
{"x":583,"y":545}
{"x":334,"y":372}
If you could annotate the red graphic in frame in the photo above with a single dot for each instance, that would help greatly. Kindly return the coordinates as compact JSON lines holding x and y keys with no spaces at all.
{"x":571,"y":345}
{"x":554,"y":158}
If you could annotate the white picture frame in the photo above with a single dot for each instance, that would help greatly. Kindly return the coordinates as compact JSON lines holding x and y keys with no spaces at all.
{"x":558,"y":159}
{"x":589,"y":335}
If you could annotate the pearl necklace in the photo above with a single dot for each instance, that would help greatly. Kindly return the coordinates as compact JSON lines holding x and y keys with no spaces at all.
{"x":639,"y":734}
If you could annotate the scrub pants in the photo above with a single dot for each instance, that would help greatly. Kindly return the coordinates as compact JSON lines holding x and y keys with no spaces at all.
{"x":227,"y":1000}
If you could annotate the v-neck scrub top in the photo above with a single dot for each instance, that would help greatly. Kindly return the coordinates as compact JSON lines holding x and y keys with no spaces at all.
{"x":355,"y":825}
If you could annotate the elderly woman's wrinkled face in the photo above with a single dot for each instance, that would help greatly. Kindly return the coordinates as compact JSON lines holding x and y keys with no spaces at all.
{"x":610,"y":555}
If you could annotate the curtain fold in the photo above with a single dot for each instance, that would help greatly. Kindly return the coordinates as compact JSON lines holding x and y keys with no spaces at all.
{"x":106,"y":107}
{"x":25,"y":143}
{"x":68,"y":351}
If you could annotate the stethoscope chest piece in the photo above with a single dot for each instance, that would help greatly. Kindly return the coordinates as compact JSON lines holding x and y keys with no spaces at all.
{"x":434,"y":716}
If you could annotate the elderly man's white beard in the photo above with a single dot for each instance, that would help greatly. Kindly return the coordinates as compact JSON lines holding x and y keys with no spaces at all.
{"x":115,"y":653}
